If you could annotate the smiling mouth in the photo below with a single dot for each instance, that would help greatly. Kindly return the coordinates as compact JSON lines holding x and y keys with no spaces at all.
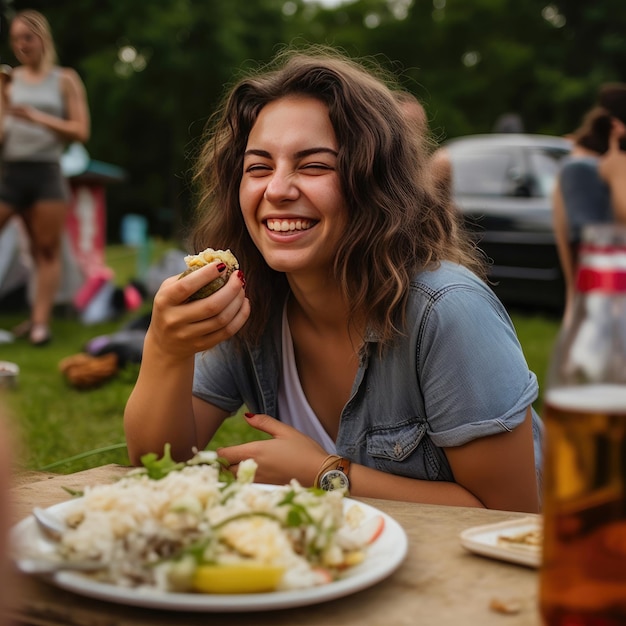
{"x":285,"y":226}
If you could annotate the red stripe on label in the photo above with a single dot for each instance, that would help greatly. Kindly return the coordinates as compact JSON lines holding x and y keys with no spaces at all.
{"x":609,"y":281}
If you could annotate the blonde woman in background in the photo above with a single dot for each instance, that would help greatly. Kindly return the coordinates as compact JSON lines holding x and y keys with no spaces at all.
{"x":45,"y":109}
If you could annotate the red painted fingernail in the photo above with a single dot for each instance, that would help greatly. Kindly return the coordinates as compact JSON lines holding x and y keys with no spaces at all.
{"x":221,"y":267}
{"x":249,"y":415}
{"x":241,"y":277}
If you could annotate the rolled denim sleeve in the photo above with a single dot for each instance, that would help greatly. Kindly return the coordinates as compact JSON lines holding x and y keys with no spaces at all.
{"x":475,"y":379}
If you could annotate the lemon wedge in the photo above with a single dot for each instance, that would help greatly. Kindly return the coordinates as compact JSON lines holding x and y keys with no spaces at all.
{"x":237,"y":578}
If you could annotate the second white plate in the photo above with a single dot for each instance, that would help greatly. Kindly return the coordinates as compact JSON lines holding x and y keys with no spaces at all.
{"x":485,"y":540}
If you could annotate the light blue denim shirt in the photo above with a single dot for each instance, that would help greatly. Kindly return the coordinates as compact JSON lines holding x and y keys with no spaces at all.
{"x":457,"y":374}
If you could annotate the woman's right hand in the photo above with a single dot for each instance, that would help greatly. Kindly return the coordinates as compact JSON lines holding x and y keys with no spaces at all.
{"x":179,"y":328}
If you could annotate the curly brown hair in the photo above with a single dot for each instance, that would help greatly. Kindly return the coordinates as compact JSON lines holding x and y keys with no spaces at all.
{"x":398,"y":223}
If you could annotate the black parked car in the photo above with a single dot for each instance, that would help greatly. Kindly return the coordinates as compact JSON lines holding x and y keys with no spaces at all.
{"x":502,"y":183}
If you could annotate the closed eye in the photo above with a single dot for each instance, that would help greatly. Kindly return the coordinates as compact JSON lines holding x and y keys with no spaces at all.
{"x":258,"y":169}
{"x":324,"y":167}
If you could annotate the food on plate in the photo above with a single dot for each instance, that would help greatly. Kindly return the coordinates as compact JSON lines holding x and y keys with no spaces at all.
{"x":246,"y":578}
{"x":193,"y":527}
{"x":531,"y":539}
{"x":196,"y":261}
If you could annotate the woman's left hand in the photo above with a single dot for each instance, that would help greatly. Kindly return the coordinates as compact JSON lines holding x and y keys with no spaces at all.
{"x":289,"y":454}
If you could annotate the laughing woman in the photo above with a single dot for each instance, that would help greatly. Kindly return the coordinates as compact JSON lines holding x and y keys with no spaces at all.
{"x":363,"y":339}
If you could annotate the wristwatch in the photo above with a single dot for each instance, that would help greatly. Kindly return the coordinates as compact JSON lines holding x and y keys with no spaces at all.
{"x":336,"y":477}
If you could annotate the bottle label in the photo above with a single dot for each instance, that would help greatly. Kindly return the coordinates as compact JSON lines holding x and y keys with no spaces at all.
{"x":602,"y":268}
{"x":607,"y":281}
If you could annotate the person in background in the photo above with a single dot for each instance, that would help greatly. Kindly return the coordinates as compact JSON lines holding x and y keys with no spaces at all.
{"x":363,"y":340}
{"x":591,"y":186}
{"x":509,"y":123}
{"x":45,"y":108}
{"x":439,"y":164}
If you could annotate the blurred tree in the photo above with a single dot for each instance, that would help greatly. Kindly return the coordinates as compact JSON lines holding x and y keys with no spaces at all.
{"x":471,"y":61}
{"x":155,"y":71}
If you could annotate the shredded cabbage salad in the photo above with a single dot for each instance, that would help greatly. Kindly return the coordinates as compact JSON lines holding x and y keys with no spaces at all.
{"x":193,"y":527}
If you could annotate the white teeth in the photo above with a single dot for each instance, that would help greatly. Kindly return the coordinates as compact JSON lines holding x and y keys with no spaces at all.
{"x":284,"y":226}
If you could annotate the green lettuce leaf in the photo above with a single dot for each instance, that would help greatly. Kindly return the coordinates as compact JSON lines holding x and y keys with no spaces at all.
{"x":159,"y":468}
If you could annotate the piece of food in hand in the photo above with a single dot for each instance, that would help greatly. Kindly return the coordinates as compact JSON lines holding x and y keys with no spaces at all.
{"x":196,"y":261}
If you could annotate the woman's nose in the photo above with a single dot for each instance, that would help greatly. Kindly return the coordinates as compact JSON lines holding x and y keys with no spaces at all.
{"x":282,"y":186}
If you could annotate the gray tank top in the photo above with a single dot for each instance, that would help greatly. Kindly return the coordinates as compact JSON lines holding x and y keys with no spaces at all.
{"x":587,"y":198}
{"x":23,"y":140}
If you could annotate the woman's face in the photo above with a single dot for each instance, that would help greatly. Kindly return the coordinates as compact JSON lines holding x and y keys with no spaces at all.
{"x":290,"y":194}
{"x":26,"y":45}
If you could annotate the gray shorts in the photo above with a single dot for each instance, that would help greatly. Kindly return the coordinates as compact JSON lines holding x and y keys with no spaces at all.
{"x":22,"y":183}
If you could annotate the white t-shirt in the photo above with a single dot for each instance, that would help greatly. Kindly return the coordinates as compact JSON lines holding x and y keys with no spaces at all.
{"x":293,"y":406}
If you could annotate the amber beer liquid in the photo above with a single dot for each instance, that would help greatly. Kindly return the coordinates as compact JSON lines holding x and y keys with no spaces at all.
{"x":583,"y":576}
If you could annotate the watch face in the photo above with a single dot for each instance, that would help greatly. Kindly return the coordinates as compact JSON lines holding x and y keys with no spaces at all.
{"x":334,"y":479}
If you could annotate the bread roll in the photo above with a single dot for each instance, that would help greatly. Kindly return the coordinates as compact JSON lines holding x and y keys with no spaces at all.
{"x":196,"y":261}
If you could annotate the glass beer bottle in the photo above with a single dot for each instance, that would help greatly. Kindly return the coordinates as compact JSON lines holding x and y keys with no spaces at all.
{"x":583,"y":574}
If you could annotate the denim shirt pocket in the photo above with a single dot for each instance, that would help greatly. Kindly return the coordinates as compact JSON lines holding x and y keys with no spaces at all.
{"x":406,"y":450}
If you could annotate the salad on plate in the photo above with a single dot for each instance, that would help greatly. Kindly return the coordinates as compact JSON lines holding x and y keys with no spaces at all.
{"x":194,"y":527}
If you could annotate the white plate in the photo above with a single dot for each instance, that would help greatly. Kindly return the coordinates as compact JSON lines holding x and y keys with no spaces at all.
{"x":383,"y":558}
{"x":483,"y":540}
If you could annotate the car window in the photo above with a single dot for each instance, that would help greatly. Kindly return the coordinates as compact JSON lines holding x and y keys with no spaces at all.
{"x":482,"y":173}
{"x":545,"y":165}
{"x":517,"y":171}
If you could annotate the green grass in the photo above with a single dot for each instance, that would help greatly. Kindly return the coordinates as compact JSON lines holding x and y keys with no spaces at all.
{"x":67,"y":430}
{"x":537,"y":334}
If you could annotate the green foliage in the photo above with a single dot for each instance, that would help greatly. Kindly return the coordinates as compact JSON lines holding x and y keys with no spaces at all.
{"x":468,"y":61}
